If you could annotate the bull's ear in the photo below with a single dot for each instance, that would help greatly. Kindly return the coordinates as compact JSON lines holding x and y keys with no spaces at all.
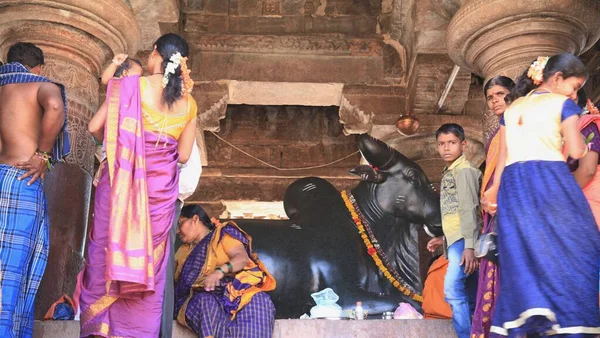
{"x":378,"y":153}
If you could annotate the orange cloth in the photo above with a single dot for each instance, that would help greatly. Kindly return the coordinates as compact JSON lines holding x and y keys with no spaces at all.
{"x":434,"y":304}
{"x":491,"y":161}
{"x":592,"y":189}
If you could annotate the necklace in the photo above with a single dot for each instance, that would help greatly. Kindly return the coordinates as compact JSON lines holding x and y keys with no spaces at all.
{"x":374,"y":249}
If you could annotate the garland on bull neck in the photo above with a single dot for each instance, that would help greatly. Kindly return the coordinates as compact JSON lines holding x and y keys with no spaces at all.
{"x":374,"y":249}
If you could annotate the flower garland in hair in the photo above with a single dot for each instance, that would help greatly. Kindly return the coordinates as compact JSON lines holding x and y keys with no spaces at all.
{"x":174,"y":62}
{"x":187,"y":84}
{"x":536,"y":70}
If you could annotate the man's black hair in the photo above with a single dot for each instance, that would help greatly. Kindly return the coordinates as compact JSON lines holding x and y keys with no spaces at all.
{"x":25,"y":53}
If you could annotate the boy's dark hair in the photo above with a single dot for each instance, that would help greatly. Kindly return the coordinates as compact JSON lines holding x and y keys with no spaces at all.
{"x":25,"y":53}
{"x":567,"y":64}
{"x":451,"y":128}
{"x":126,"y":65}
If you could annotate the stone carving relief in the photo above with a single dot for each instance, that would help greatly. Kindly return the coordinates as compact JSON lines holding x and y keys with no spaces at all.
{"x":82,"y":96}
{"x":209,"y":119}
{"x":81,"y":85}
{"x":310,"y":7}
{"x":291,"y":44}
{"x":82,"y":145}
{"x":355,"y":121}
{"x":447,"y":8}
{"x":394,"y":57}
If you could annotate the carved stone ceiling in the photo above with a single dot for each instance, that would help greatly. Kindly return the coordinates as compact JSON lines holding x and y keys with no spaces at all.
{"x":388,"y":56}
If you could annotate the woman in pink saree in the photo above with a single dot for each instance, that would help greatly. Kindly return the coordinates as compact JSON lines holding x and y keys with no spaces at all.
{"x":148,"y":126}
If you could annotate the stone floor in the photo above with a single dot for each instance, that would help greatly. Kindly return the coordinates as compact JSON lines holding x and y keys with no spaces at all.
{"x":296,"y":328}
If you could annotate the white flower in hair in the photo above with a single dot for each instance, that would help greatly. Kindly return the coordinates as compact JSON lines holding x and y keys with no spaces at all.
{"x":174,"y":62}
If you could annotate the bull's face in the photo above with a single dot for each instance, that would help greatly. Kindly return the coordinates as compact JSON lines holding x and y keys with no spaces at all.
{"x":400,"y":185}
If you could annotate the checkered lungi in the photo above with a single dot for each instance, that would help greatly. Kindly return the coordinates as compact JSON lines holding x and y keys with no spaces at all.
{"x":24,"y":244}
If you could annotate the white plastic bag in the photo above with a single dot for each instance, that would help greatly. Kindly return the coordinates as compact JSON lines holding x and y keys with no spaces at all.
{"x":326,"y":305}
{"x":406,"y":311}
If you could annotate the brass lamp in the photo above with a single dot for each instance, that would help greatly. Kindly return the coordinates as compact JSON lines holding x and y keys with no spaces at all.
{"x":407,"y":124}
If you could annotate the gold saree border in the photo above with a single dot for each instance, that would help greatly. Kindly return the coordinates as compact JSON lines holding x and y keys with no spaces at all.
{"x":112,"y":124}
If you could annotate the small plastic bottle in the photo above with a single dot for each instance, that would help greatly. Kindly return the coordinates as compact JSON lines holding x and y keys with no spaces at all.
{"x":359,"y":312}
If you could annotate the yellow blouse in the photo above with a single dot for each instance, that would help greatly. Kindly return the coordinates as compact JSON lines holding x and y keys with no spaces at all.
{"x":533,"y":128}
{"x":166,"y":123}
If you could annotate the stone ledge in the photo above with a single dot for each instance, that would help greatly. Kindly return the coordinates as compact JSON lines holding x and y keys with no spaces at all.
{"x":297,"y":328}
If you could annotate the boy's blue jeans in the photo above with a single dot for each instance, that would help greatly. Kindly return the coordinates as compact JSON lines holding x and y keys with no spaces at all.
{"x":460,"y":290}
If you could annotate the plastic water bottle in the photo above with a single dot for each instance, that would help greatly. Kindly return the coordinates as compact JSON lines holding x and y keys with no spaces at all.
{"x":359,"y":312}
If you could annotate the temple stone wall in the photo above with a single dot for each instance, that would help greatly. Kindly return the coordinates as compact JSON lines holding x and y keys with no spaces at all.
{"x":364,"y":61}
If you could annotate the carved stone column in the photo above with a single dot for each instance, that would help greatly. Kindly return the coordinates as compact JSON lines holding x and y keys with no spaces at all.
{"x":503,"y":37}
{"x":77,"y":38}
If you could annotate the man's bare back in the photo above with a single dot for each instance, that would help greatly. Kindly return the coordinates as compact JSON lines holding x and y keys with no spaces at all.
{"x":28,"y":111}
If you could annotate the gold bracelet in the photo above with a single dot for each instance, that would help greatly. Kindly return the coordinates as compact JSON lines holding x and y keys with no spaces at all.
{"x":45,"y":157}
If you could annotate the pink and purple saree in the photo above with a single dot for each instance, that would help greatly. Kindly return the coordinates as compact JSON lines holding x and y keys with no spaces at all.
{"x":123,"y":281}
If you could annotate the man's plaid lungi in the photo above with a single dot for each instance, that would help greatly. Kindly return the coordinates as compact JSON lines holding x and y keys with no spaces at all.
{"x":24,"y":244}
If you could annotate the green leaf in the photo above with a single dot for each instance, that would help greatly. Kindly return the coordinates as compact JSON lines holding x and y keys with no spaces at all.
{"x":589,"y":138}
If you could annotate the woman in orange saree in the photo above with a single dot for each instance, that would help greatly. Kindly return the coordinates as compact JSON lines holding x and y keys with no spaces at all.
{"x":495,"y":91}
{"x":148,"y":126}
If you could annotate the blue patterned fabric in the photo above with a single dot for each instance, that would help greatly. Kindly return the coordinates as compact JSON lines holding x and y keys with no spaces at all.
{"x":207,"y":317}
{"x":15,"y":72}
{"x":549,"y":247}
{"x":24,"y":243}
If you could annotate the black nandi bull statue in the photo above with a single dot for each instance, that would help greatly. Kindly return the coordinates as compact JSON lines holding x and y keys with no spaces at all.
{"x":324,"y":249}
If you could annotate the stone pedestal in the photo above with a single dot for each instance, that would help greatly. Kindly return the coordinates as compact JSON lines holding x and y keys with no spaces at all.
{"x":77,"y":38}
{"x":503,"y":37}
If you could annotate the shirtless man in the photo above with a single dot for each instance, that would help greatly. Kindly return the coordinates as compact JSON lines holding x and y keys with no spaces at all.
{"x":31,"y":116}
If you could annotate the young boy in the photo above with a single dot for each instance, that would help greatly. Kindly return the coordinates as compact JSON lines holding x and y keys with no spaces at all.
{"x":459,"y":198}
{"x":121,"y":66}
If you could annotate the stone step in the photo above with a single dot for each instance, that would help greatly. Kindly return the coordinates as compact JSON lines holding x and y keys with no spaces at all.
{"x":298,"y":328}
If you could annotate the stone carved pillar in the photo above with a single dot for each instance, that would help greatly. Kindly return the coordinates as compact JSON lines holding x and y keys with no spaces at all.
{"x":503,"y":37}
{"x":77,"y":38}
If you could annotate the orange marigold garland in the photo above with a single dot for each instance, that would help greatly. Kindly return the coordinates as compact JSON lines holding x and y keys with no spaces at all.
{"x":375,"y":252}
{"x":187,"y":83}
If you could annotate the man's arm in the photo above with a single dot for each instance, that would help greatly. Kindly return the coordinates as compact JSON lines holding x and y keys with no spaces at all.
{"x":50,"y":100}
{"x":467,"y":189}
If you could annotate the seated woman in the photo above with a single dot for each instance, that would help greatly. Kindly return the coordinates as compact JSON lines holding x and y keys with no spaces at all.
{"x":220,"y":284}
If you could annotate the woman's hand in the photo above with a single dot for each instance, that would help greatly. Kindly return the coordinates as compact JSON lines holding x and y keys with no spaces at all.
{"x":119,"y":59}
{"x":212,"y":280}
{"x":489,"y":202}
